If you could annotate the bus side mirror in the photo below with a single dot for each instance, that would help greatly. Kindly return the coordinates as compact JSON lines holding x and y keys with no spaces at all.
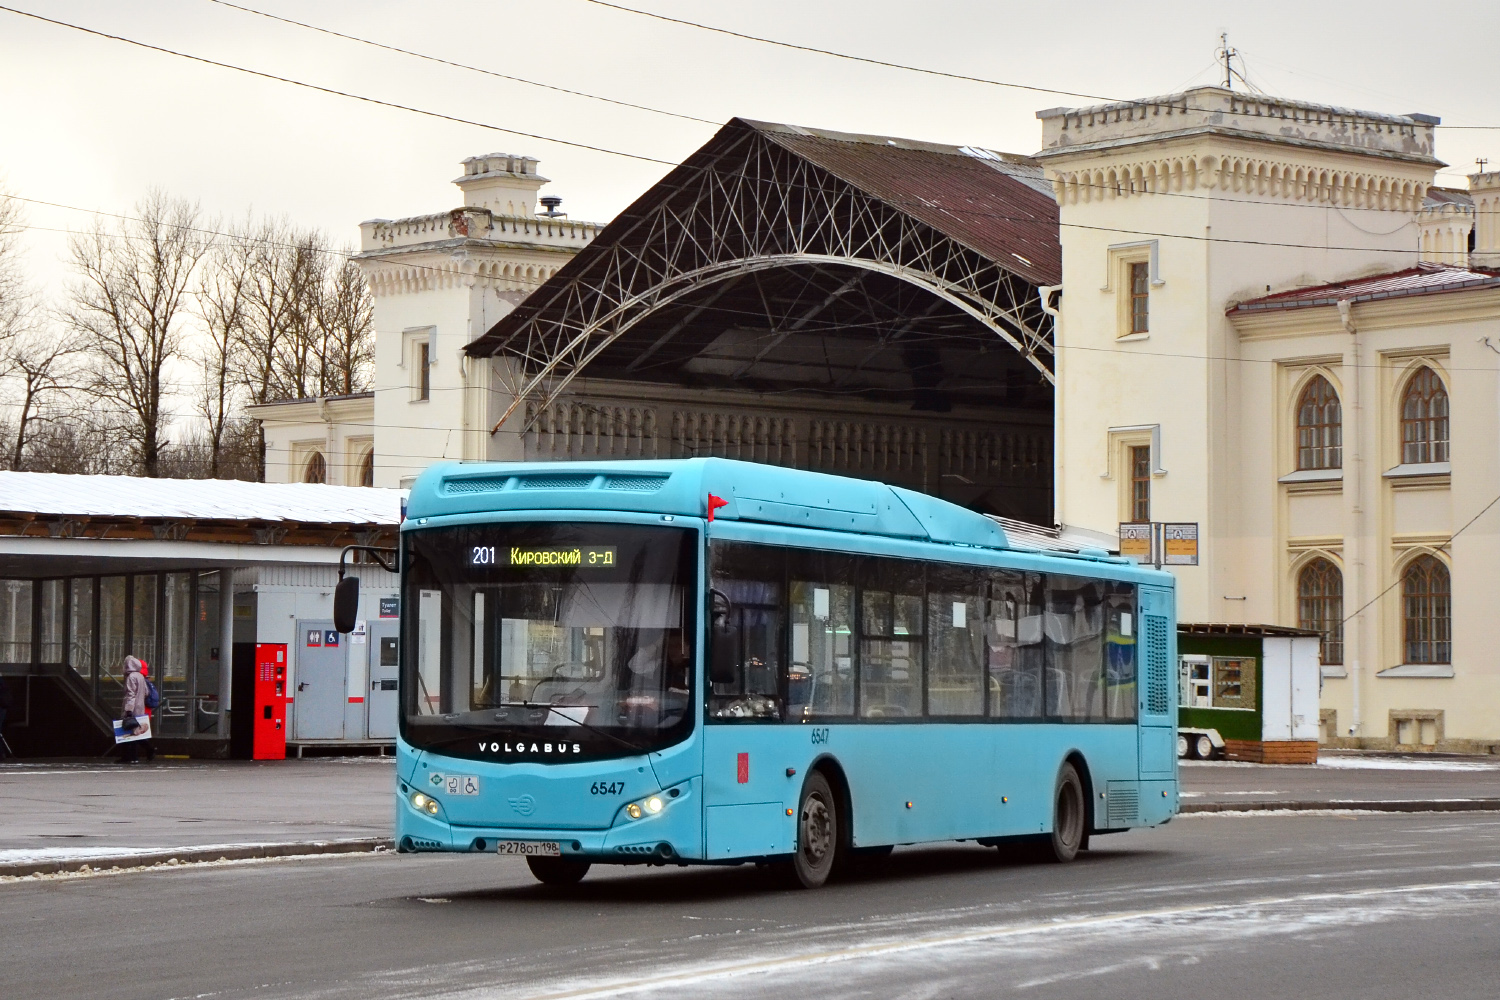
{"x":346,"y":604}
{"x":724,"y":655}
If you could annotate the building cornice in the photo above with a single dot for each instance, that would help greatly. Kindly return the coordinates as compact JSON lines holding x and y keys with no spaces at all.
{"x":1239,"y":165}
{"x":1220,"y":111}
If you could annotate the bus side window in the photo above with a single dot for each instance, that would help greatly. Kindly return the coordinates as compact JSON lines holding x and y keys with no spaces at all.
{"x":821,"y":675}
{"x":955,"y":641}
{"x":1074,"y":627}
{"x":1017,"y":656}
{"x":1120,"y":659}
{"x":893,"y":639}
{"x":751,"y":577}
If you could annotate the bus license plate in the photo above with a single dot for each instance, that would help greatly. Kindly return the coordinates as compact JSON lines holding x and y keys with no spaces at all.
{"x":530,"y":848}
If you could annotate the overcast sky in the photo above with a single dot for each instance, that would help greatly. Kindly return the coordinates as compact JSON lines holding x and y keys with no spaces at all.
{"x":92,"y":122}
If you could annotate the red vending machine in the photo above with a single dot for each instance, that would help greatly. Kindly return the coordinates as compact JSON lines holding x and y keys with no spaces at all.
{"x":269,"y":741}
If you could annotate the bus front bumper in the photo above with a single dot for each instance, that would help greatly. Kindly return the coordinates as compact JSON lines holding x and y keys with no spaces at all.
{"x":673,"y":834}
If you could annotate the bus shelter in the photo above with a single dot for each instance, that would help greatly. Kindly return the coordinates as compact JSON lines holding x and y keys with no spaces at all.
{"x":192,"y":577}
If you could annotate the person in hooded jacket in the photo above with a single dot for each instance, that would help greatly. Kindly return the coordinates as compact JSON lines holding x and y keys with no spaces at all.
{"x":134,"y":705}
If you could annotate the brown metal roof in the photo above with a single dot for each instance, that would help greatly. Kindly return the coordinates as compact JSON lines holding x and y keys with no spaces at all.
{"x":1424,"y":279}
{"x":997,"y":204}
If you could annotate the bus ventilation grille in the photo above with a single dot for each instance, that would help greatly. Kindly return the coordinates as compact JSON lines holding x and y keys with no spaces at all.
{"x":425,"y":845}
{"x":635,"y":484}
{"x":1157,"y":701}
{"x":555,"y":482}
{"x":1124,"y":803}
{"x":643,"y":849}
{"x":483,"y":484}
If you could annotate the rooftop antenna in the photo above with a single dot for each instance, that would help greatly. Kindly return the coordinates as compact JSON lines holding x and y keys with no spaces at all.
{"x":1227,"y":55}
{"x":1481,"y":162}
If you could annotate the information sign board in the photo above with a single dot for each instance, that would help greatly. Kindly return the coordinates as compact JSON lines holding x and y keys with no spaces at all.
{"x":1135,"y":542}
{"x":1179,"y":544}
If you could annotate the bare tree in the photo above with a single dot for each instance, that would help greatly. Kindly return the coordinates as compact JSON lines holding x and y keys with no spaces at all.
{"x":347,"y":318}
{"x":225,"y":288}
{"x":129,"y":304}
{"x":44,"y":364}
{"x":17,"y":304}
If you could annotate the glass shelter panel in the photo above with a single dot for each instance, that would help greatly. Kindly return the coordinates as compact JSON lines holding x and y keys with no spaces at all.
{"x":53,"y":619}
{"x":144,"y":597}
{"x":15,"y":620}
{"x":113,"y":631}
{"x":81,"y":626}
{"x":206,"y":654}
{"x":171,"y":673}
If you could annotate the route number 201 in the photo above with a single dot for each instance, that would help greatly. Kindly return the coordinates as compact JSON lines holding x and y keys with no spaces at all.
{"x":482,"y":555}
{"x":607,"y":788}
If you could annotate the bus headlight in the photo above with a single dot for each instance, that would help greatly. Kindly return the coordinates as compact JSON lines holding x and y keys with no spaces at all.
{"x":424,"y":803}
{"x":648,"y":806}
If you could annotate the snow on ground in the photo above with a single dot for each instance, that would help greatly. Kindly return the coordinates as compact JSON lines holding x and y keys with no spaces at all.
{"x":35,"y":855}
{"x":1405,"y":764}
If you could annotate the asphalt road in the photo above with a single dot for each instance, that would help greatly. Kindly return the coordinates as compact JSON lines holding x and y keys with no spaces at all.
{"x":1309,"y":905}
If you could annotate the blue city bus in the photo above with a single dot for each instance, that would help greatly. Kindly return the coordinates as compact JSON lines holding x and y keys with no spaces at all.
{"x":705,"y":661}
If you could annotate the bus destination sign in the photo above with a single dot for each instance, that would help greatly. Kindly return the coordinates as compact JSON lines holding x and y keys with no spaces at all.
{"x":525,"y":557}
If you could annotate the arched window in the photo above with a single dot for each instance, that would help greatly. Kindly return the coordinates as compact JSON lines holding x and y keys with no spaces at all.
{"x":316,"y":470}
{"x":1427,"y":611}
{"x":1320,"y":607}
{"x":1424,"y":420}
{"x":1320,"y":427}
{"x":367,"y":469}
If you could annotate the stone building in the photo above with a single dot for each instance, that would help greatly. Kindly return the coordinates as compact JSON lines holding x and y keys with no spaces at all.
{"x":1273,"y":326}
{"x":438,"y":282}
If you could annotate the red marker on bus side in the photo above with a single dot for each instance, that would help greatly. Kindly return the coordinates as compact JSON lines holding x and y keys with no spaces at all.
{"x":714,"y":503}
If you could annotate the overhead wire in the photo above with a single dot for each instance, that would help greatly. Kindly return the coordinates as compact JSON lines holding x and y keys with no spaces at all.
{"x":459,"y":65}
{"x":338,"y":93}
{"x":927,"y":70}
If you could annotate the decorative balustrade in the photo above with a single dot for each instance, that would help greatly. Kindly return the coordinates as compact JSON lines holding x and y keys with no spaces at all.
{"x":907,"y":452}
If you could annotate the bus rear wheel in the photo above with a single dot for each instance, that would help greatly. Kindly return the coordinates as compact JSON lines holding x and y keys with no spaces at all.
{"x":1068,"y":817}
{"x":557,"y":871}
{"x":817,"y":832}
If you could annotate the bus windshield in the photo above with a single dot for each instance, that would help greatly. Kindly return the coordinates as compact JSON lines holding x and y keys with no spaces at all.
{"x":573,"y":637}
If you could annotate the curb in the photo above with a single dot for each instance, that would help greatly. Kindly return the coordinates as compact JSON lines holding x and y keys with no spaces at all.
{"x":190,"y":855}
{"x":1362,"y":805}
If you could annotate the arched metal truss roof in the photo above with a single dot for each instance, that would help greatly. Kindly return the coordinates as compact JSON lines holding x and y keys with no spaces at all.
{"x":858,"y":217}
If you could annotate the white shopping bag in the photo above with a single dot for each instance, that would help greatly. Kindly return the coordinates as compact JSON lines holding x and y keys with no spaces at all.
{"x":141,"y":731}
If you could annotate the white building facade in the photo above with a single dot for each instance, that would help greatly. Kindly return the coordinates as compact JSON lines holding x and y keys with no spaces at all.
{"x":438,"y":282}
{"x":1249,"y":341}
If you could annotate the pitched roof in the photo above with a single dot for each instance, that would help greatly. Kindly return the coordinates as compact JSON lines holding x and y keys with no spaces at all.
{"x":1424,"y":279}
{"x":997,"y":204}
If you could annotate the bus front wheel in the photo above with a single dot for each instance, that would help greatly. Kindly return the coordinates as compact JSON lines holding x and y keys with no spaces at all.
{"x":557,"y":871}
{"x":817,"y":832}
{"x":1068,"y":816}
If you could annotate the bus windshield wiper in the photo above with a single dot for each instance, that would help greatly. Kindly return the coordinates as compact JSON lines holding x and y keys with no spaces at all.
{"x":577,"y":722}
